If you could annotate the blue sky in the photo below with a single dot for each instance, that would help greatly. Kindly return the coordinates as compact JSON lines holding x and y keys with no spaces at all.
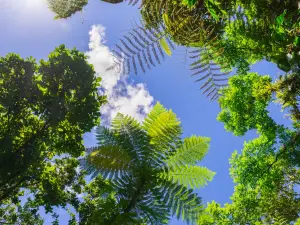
{"x":28,"y":28}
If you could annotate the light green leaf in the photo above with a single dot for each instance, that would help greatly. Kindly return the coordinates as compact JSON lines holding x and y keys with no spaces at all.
{"x":193,"y":149}
{"x":211,"y":5}
{"x":280,"y":18}
{"x":165,"y":46}
{"x":42,"y":89}
{"x":189,"y":176}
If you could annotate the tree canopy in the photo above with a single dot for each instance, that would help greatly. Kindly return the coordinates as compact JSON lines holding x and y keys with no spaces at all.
{"x":45,"y":109}
{"x":266,"y":172}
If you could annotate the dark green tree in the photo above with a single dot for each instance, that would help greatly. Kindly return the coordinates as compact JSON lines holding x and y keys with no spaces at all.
{"x":45,"y":109}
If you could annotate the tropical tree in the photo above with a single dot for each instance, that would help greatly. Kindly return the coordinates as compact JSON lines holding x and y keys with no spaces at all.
{"x":266,"y":175}
{"x":152,"y":171}
{"x":266,"y":172}
{"x":45,"y":109}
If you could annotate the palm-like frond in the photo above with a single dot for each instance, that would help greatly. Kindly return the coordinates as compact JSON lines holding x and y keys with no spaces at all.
{"x":163,"y":128}
{"x":142,"y":49}
{"x":181,"y":201}
{"x":153,"y":210}
{"x":105,"y":136}
{"x":131,"y":136}
{"x":65,"y":8}
{"x":192,"y":150}
{"x":280,"y":221}
{"x":189,"y":176}
{"x":130,"y":2}
{"x":206,"y":68}
{"x":109,"y":160}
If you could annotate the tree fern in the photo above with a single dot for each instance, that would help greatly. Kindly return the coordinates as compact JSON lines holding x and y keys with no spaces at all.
{"x":143,"y":162}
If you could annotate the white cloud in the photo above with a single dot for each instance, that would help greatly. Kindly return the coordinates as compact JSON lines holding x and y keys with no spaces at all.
{"x":122,"y":94}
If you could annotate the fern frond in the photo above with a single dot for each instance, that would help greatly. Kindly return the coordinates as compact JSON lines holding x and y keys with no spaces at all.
{"x":163,"y":128}
{"x":130,"y":2}
{"x":142,"y":47}
{"x":280,"y":221}
{"x":153,"y":210}
{"x":182,"y":201}
{"x":205,"y":67}
{"x":189,"y":176}
{"x":109,"y":160}
{"x":113,"y":1}
{"x":105,"y":136}
{"x":133,"y":2}
{"x":131,"y":137}
{"x":193,"y":149}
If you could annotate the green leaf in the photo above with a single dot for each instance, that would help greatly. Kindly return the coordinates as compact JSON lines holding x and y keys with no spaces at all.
{"x":189,"y":176}
{"x":166,"y":19}
{"x":211,"y":7}
{"x":193,"y":149}
{"x":98,"y":79}
{"x":213,"y":13}
{"x":280,"y":18}
{"x":165,"y":46}
{"x":296,"y":41}
{"x":42,"y":89}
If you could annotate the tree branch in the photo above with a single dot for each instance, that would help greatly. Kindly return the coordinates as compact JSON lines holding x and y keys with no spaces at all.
{"x":284,"y":150}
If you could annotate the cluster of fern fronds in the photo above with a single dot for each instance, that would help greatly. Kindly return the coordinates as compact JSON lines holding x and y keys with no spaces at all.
{"x":151,"y":169}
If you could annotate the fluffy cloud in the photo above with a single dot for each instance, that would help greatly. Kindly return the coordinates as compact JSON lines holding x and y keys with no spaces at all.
{"x":122,"y":94}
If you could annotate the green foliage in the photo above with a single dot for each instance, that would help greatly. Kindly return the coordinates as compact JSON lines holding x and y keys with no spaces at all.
{"x":287,"y":90}
{"x":266,"y":172}
{"x":99,"y":195}
{"x":151,"y":169}
{"x":189,"y":3}
{"x":165,"y":46}
{"x":45,"y":109}
{"x":244,"y":104}
{"x":223,"y":35}
{"x":66,"y":8}
{"x":12,"y":213}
